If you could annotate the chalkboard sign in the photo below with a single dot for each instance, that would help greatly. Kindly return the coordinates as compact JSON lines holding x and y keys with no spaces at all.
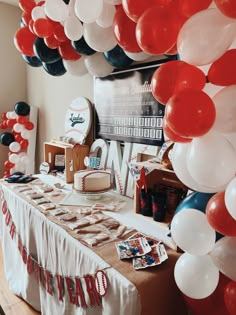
{"x":125,"y":108}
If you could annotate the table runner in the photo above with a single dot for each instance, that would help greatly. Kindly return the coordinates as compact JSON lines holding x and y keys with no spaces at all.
{"x":158,"y":292}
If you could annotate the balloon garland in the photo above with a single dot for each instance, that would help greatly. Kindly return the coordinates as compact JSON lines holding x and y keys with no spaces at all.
{"x":84,"y":35}
{"x":17,"y":139}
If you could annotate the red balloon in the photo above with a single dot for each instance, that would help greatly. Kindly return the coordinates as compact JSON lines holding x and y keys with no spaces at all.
{"x":230,"y":297}
{"x":135,"y":8}
{"x":227,"y":7}
{"x":52,"y":42}
{"x":213,"y":304}
{"x":157,"y":29}
{"x":4,"y":124}
{"x":29,"y":125}
{"x":218,"y":215}
{"x":124,"y":31}
{"x":4,"y":116}
{"x":18,"y":138}
{"x":24,"y":41}
{"x":6,"y":174}
{"x":59,"y":32}
{"x":24,"y":144}
{"x":67,"y":52}
{"x":174,"y":76}
{"x":26,"y":18}
{"x":189,"y":7}
{"x":27,"y":5}
{"x":21,"y":119}
{"x":190,"y":113}
{"x":222,"y":71}
{"x":171,"y":135}
{"x":43,"y":28}
{"x":8,"y":164}
{"x":11,"y":123}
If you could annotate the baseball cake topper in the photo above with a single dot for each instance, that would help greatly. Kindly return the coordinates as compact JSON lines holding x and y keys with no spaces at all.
{"x":78,"y":119}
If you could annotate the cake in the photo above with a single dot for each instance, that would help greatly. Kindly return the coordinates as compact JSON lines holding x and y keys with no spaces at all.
{"x":92,"y":180}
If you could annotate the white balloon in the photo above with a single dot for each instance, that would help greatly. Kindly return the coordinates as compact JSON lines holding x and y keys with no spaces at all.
{"x":88,"y":10}
{"x":14,"y":147}
{"x":38,"y":12}
{"x":205,"y":37}
{"x":230,"y":198}
{"x":225,"y":110}
{"x":24,"y":160}
{"x":178,"y":160}
{"x":105,"y":19}
{"x":13,"y":158}
{"x":56,"y":10}
{"x":13,"y":115}
{"x":192,"y":233}
{"x":97,"y":65}
{"x":9,"y":115}
{"x":224,"y":256}
{"x":99,"y":38}
{"x":196,"y":276}
{"x":141,"y":56}
{"x":211,"y":160}
{"x":73,"y":28}
{"x":76,"y":68}
{"x":18,"y":127}
{"x":26,"y":134}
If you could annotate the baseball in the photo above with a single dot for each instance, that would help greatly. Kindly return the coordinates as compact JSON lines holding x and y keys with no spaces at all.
{"x":101,"y":283}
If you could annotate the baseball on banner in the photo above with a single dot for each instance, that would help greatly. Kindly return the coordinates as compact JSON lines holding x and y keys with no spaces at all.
{"x":78,"y":120}
{"x":101,"y":283}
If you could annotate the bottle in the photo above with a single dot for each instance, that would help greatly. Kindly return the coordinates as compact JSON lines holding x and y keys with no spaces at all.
{"x":158,"y":206}
{"x":146,"y":202}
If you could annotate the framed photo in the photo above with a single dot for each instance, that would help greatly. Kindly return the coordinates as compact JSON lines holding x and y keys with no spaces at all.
{"x":125,"y":108}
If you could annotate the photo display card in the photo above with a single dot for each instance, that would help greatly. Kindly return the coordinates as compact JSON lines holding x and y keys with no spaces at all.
{"x":125,"y":109}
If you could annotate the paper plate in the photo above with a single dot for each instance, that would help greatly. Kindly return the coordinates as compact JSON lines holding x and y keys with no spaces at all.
{"x":78,"y":119}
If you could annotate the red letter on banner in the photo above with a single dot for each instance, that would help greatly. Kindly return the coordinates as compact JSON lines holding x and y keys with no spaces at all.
{"x":4,"y":207}
{"x":49,"y":281}
{"x":8,"y":218}
{"x":70,"y":288}
{"x":19,"y":244}
{"x":92,"y":292}
{"x":79,"y":294}
{"x":12,"y":230}
{"x":36,"y":271}
{"x":29,"y":264}
{"x":60,"y":286}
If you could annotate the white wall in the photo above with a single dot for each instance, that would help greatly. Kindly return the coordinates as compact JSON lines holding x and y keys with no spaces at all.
{"x":19,"y":81}
{"x":53,"y":95}
{"x":12,"y":69}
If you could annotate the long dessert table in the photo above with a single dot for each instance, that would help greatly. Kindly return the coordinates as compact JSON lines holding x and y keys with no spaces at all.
{"x":58,"y":274}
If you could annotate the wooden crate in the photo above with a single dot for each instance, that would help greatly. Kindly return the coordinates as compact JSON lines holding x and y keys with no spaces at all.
{"x":74,"y":157}
{"x":163,"y":177}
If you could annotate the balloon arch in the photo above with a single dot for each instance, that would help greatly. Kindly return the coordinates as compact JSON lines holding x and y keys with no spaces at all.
{"x":199,"y":92}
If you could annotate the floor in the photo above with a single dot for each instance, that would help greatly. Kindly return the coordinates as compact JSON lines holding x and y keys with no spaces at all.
{"x":9,"y":303}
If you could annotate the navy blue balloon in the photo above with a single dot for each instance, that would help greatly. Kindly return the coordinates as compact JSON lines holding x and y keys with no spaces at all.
{"x":32,"y":61}
{"x":22,"y":108}
{"x":117,"y":57}
{"x":56,"y":69}
{"x":7,"y":138}
{"x":195,"y":200}
{"x":44,"y":53}
{"x":82,"y":47}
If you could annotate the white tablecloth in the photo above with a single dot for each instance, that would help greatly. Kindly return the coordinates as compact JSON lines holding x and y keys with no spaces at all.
{"x":60,"y":253}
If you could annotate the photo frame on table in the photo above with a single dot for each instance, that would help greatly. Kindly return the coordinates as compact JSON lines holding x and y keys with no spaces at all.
{"x":125,"y":109}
